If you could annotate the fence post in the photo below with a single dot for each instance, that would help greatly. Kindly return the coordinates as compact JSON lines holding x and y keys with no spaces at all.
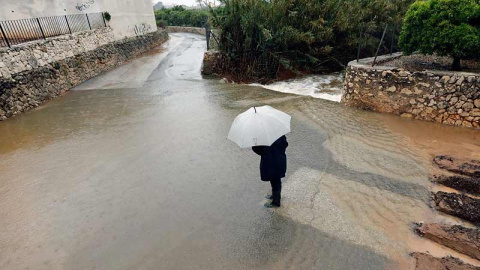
{"x":41,"y":29}
{"x":69,"y":29}
{"x":103,"y":17}
{"x":391,"y":40}
{"x":379,"y":45}
{"x":89,"y":26}
{"x":360,"y":42}
{"x":4,"y":36}
{"x":207,"y":36}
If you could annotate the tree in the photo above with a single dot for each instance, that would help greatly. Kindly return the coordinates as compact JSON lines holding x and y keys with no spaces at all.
{"x":261,"y":38}
{"x":158,"y":6}
{"x":444,"y":27}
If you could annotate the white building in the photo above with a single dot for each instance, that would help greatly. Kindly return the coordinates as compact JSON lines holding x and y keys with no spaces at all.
{"x":129,"y":17}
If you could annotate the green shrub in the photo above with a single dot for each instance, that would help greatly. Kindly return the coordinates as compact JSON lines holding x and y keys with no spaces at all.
{"x":161,"y":23}
{"x":261,"y":37}
{"x":179,"y":16}
{"x":443,"y":27}
{"x":107,"y":15}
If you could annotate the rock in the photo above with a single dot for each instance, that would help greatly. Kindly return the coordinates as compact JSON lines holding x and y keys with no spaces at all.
{"x":466,"y":123}
{"x":467,"y":106}
{"x":425,"y":261}
{"x":452,"y":80}
{"x":445,"y":79}
{"x":439,"y":119}
{"x":406,"y":91}
{"x":406,"y":115}
{"x":350,"y":85}
{"x":368,"y":81}
{"x":458,"y":205}
{"x":456,"y":237}
{"x":391,"y":89}
{"x":417,"y":91}
{"x":224,"y":80}
{"x":456,"y":165}
{"x":477,"y":103}
{"x":460,"y":81}
{"x":426,"y":85}
{"x":403,"y":73}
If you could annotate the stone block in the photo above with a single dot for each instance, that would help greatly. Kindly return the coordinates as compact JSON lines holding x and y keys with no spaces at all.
{"x":391,"y":89}
{"x":406,"y":91}
{"x":477,"y":103}
{"x":459,"y":238}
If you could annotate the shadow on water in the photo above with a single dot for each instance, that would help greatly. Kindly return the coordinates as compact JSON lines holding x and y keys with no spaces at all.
{"x":274,"y":242}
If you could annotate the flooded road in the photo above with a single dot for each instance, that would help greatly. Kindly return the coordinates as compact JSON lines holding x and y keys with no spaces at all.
{"x":132,"y":170}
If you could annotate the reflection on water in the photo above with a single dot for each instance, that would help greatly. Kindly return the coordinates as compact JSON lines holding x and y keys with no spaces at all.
{"x":326,"y":86}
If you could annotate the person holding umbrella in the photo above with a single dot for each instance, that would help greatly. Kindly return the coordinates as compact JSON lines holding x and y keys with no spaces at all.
{"x":264,"y":130}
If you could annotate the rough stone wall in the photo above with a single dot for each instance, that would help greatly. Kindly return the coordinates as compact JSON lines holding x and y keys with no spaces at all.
{"x":212,"y":63}
{"x":40,"y":53}
{"x":185,"y":29}
{"x":30,"y":87}
{"x":451,"y":98}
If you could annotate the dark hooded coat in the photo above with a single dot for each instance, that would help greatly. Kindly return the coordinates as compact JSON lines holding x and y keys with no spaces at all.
{"x":273,"y":164}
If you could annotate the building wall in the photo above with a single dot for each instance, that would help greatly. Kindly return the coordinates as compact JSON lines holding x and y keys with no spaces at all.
{"x":129,"y":17}
{"x":447,"y":97}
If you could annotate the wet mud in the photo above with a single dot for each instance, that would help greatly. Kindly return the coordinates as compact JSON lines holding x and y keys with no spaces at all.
{"x":462,"y":239}
{"x":428,"y":262}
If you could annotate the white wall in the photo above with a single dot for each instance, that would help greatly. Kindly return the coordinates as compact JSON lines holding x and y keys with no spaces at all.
{"x":129,"y":17}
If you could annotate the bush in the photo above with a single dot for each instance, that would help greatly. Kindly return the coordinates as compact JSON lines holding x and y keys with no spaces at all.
{"x":261,"y":37}
{"x":444,"y":27}
{"x":107,"y":16}
{"x":161,"y":23}
{"x":179,"y":16}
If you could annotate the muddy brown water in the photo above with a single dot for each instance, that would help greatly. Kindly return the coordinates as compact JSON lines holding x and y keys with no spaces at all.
{"x":132,"y":170}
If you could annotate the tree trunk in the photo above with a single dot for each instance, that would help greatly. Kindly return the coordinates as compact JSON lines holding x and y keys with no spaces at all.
{"x":456,"y":64}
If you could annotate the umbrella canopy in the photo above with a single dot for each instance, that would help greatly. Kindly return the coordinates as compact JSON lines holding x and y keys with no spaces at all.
{"x":259,"y":126}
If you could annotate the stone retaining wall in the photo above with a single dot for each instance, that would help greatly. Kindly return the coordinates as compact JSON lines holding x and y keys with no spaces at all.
{"x":451,"y":98}
{"x":40,"y":53}
{"x":36,"y":72}
{"x":185,"y":29}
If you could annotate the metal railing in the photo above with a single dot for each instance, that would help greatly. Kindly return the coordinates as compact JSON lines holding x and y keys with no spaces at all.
{"x":382,"y":47}
{"x":16,"y":32}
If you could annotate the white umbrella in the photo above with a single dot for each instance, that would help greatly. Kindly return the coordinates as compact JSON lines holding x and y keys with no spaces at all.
{"x":259,"y":126}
